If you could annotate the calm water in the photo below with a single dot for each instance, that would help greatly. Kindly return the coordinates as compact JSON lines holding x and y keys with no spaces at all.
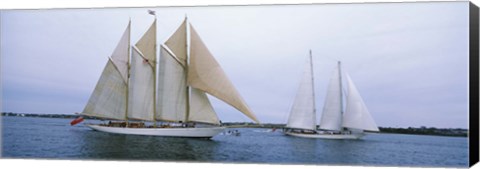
{"x":49,"y":138}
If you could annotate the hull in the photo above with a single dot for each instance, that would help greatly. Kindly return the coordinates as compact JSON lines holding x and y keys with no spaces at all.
{"x":351,"y":136}
{"x":206,"y":132}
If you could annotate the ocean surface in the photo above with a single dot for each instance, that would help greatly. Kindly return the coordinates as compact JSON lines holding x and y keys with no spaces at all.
{"x":53,"y":138}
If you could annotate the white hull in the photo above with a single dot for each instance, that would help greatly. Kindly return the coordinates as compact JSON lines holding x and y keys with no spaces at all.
{"x":351,"y":136}
{"x":206,"y":132}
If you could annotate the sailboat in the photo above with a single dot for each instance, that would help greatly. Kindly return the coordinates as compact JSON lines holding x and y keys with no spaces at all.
{"x":335,"y":122}
{"x":135,"y":89}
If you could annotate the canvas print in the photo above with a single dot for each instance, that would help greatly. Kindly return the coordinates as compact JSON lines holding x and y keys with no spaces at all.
{"x":369,"y":84}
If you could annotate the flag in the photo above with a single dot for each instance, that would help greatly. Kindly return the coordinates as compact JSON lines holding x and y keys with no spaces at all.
{"x":151,"y":12}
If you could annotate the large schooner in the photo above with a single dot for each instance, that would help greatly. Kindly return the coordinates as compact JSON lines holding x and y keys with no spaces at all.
{"x":136,"y":87}
{"x":335,"y":122}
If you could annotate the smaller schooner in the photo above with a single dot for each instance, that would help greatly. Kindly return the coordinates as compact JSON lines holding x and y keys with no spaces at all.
{"x":335,"y":122}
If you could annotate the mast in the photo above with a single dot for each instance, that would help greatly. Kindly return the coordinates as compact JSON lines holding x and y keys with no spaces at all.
{"x":332,"y":110}
{"x":128,"y":71}
{"x":302,"y":112}
{"x":143,"y":75}
{"x":341,"y":95}
{"x":171,"y":78}
{"x":155,"y":79}
{"x":313,"y":88}
{"x":187,"y":63}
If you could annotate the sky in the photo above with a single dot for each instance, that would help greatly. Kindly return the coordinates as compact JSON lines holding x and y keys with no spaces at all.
{"x":409,"y":61}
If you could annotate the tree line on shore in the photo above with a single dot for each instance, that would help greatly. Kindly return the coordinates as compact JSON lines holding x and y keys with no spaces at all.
{"x":457,"y":132}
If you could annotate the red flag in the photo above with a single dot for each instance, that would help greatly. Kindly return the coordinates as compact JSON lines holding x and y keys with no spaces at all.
{"x":76,"y":121}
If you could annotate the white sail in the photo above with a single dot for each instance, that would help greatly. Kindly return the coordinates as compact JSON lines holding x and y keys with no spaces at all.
{"x":200,"y":108}
{"x":141,"y":96}
{"x":302,"y":114}
{"x":356,"y":114}
{"x":147,"y":44}
{"x":205,"y":73}
{"x":177,"y":43}
{"x":109,"y":97}
{"x":332,"y":109}
{"x":141,"y":88}
{"x":121,"y":53}
{"x":172,"y":88}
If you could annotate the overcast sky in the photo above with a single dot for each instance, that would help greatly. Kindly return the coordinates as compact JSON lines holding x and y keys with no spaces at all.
{"x":409,"y":61}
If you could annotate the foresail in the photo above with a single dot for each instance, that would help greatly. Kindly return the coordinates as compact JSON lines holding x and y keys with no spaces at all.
{"x":171,"y":88}
{"x":302,"y":113}
{"x":147,"y":44}
{"x":121,"y":53}
{"x":141,"y":88}
{"x":200,"y":108}
{"x":205,"y":73}
{"x":356,"y":113}
{"x":109,"y":97}
{"x":332,"y":109}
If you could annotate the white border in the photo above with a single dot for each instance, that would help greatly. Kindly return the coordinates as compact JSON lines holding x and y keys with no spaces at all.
{"x":74,"y":164}
{"x":49,"y":4}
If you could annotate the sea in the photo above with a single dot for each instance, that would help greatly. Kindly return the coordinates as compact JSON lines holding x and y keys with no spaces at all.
{"x":54,"y":138}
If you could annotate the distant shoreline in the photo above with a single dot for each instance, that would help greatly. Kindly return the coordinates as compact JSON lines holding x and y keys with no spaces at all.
{"x":453,"y":132}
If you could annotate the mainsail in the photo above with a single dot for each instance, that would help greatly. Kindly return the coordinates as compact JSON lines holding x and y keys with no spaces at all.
{"x":141,"y":96}
{"x":141,"y":88}
{"x":332,"y":109}
{"x":172,"y":88}
{"x":172,"y":78}
{"x":302,"y":114}
{"x":356,"y":115}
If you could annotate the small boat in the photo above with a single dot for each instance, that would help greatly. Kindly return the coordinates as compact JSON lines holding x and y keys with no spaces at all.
{"x":136,"y":87}
{"x":335,"y":122}
{"x":232,"y":133}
